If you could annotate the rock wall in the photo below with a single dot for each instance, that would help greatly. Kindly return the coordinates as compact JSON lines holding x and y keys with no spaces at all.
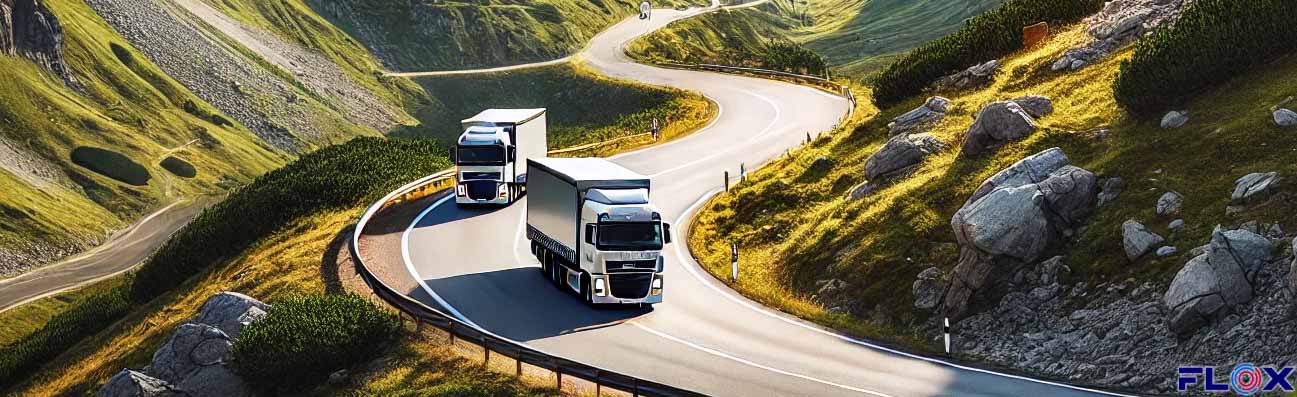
{"x":29,"y":29}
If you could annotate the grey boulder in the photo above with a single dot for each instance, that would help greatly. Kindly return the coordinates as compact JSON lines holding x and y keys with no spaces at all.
{"x":901,"y":152}
{"x":1036,"y":105}
{"x":1174,"y":119}
{"x":1169,"y":203}
{"x":130,"y":383}
{"x":1166,"y":251}
{"x":998,"y":124}
{"x":927,"y":289}
{"x":1111,"y":189}
{"x":1013,"y":219}
{"x":1254,"y":187}
{"x":1136,"y":240}
{"x":230,"y":311}
{"x":931,"y":112}
{"x":1214,"y":282}
{"x":975,"y":76}
{"x":193,"y":360}
{"x":1285,"y":118}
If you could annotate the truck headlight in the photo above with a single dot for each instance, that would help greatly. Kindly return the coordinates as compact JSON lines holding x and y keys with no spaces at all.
{"x":657,"y":286}
{"x":459,"y":190}
{"x":599,"y":287}
{"x":504,"y":190}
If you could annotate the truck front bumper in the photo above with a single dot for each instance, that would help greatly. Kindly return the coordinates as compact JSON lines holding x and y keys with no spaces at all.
{"x":462,"y":195}
{"x":625,"y":288}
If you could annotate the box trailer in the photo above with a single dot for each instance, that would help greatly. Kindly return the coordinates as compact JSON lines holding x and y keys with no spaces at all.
{"x":594,"y":231}
{"x":491,"y":155}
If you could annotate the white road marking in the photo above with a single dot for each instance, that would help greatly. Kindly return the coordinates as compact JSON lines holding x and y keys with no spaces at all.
{"x":409,"y":265}
{"x":763,"y":133}
{"x":711,"y":283}
{"x":725,"y":355}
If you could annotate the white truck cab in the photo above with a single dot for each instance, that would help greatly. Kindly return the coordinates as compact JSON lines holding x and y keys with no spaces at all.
{"x":491,"y":155}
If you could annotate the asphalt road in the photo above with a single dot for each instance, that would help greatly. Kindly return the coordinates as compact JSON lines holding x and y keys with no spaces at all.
{"x":121,"y":253}
{"x":474,"y":263}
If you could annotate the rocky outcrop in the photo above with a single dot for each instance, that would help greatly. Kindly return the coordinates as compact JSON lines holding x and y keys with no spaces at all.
{"x":922,"y":117}
{"x":997,"y":124}
{"x":1012,"y":220}
{"x":193,"y":362}
{"x":30,"y":29}
{"x":1136,"y":240}
{"x":1120,"y":22}
{"x":1285,"y":118}
{"x":973,"y":77}
{"x":1254,"y":187}
{"x":1211,"y":284}
{"x":901,"y":153}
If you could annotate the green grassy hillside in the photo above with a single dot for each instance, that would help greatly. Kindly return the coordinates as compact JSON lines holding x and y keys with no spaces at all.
{"x":800,"y":226}
{"x":742,"y":37}
{"x":583,"y":106}
{"x":129,"y":108}
{"x":428,"y":35}
{"x":855,"y":36}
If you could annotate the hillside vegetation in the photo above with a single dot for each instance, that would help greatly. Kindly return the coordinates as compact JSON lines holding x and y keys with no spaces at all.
{"x":796,"y":226}
{"x":742,"y":37}
{"x":447,"y":35}
{"x":583,"y":107}
{"x":126,"y":109}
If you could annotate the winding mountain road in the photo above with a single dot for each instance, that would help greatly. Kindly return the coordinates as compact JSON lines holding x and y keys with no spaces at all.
{"x":475,"y":264}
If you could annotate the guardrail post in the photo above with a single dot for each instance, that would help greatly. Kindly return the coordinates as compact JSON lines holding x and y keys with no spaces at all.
{"x":486,"y":352}
{"x":518,"y":363}
{"x":634,"y":385}
{"x":558,"y":375}
{"x":598,"y":388}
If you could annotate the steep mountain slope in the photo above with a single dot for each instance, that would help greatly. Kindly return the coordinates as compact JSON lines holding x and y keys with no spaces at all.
{"x":858,"y":251}
{"x":74,"y":88}
{"x":427,"y":35}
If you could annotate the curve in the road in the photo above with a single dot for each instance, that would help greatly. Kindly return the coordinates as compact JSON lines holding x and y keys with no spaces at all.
{"x":474,"y":264}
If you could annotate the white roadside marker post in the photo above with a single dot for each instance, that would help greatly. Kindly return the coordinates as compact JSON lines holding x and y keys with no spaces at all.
{"x":743,"y":173}
{"x":734,"y":262}
{"x":946,"y":331}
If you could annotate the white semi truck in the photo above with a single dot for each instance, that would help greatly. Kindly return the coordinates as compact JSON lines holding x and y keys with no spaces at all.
{"x":592,"y":228}
{"x":492,"y":153}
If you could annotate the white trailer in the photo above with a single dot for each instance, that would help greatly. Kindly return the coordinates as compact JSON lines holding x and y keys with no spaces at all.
{"x":492,"y":153}
{"x":592,"y":228}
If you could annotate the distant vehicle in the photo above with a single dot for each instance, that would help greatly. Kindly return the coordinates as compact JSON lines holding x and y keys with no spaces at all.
{"x":492,"y":153}
{"x":592,"y":228}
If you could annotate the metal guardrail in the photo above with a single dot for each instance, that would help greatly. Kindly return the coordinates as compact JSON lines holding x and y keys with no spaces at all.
{"x":490,"y":342}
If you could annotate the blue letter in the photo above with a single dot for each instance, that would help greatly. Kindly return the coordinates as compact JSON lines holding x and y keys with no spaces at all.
{"x":1187,"y":376}
{"x":1209,"y":381}
{"x":1278,"y":378}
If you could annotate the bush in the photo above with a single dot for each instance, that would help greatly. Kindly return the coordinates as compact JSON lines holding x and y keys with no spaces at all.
{"x":988,"y":36}
{"x":303,"y":339}
{"x":179,"y":167}
{"x":215,"y":118}
{"x":1213,"y":41}
{"x":336,"y":177}
{"x":83,"y":318}
{"x":111,"y":164}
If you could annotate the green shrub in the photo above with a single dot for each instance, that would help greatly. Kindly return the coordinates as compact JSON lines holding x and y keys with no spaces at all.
{"x":83,"y":318}
{"x":988,"y":36}
{"x":1213,"y":41}
{"x":111,"y":164}
{"x":336,"y":177}
{"x":302,"y":339}
{"x":179,"y":167}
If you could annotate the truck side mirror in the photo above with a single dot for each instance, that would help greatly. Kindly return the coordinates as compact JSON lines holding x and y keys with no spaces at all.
{"x":589,"y":233}
{"x":513,"y":153}
{"x":666,"y":233}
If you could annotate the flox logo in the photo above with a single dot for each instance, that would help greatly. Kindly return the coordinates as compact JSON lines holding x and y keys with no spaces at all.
{"x":1245,"y":379}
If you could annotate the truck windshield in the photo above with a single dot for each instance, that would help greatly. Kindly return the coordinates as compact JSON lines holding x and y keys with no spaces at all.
{"x":632,"y":236}
{"x":486,"y":155}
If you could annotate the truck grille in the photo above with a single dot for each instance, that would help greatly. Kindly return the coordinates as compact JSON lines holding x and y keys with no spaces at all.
{"x":631,"y":285}
{"x":630,"y":266}
{"x":481,"y":190}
